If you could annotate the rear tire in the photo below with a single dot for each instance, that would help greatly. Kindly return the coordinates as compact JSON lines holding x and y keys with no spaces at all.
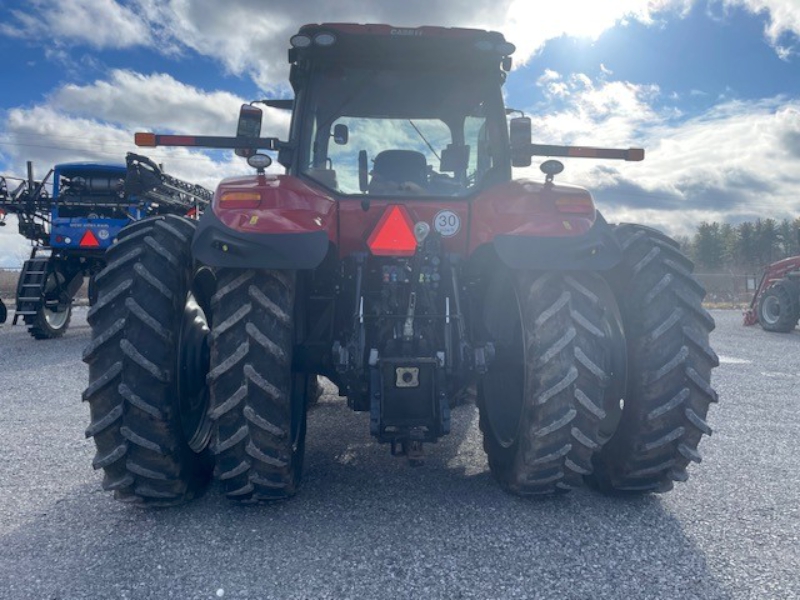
{"x":134,"y":396}
{"x":778,"y":307}
{"x":544,"y":402}
{"x":669,"y":367}
{"x":3,"y":313}
{"x":258,"y":405}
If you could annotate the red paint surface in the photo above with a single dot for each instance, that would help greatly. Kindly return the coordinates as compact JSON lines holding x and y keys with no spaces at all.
{"x":526,"y":207}
{"x":289,"y":204}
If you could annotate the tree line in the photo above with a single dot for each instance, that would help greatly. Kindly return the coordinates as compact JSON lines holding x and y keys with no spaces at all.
{"x":746,"y":247}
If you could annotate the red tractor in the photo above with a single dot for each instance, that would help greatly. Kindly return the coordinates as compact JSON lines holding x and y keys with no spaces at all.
{"x":776,"y":303}
{"x":406,"y":283}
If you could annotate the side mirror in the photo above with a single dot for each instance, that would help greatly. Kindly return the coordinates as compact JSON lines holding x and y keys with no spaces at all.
{"x":341,"y":134}
{"x":249,"y":126}
{"x":520,"y":138}
{"x":363,"y":169}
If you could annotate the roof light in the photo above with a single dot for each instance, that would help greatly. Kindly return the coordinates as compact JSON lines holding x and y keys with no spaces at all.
{"x":505,"y":48}
{"x":259,"y":161}
{"x":89,"y":240}
{"x":325,"y":39}
{"x":575,"y":204}
{"x":300,"y":41}
{"x":394,"y":233}
{"x":551,"y":167}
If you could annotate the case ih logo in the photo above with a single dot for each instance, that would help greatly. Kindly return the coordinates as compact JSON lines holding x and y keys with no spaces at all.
{"x":413,"y":32}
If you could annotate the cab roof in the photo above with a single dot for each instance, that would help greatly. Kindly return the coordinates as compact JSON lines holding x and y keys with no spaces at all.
{"x":381,"y":44}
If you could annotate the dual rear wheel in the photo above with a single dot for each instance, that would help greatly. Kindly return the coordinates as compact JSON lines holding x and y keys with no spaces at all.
{"x":604,"y":380}
{"x":166,"y":394}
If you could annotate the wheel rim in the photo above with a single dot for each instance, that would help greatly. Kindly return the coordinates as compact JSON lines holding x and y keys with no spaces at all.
{"x":56,"y":318}
{"x":193,"y":366}
{"x":55,"y":312}
{"x":504,"y":383}
{"x":771,"y":310}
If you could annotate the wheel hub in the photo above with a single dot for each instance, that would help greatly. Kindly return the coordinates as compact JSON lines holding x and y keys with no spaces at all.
{"x":505,"y":381}
{"x":771,"y":310}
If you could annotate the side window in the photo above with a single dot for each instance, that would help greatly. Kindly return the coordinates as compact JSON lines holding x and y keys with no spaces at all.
{"x":477,"y":137}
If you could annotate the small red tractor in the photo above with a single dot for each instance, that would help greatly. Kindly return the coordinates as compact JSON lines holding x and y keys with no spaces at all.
{"x":776,"y":303}
{"x":408,"y":283}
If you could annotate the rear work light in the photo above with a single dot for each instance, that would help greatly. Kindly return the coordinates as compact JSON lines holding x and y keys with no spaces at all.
{"x":394,"y":233}
{"x":240,"y":200}
{"x":325,"y":39}
{"x":300,"y":41}
{"x":581,"y":205}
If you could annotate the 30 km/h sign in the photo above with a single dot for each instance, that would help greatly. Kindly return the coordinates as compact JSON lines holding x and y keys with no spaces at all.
{"x":447,"y":223}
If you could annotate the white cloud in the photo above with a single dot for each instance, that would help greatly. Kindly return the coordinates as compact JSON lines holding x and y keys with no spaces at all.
{"x":620,"y":108}
{"x":159,"y":102}
{"x":96,"y":23}
{"x":783,"y":16}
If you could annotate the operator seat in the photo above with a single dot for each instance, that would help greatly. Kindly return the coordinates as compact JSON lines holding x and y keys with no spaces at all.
{"x":393,"y":170}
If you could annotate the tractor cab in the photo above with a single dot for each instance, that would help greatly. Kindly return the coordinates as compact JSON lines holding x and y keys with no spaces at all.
{"x":381,"y":114}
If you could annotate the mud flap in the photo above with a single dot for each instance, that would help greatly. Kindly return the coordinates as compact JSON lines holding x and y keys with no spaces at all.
{"x":217,"y":245}
{"x":596,"y":250}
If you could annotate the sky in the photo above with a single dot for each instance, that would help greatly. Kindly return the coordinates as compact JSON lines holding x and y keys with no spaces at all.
{"x":710,"y":89}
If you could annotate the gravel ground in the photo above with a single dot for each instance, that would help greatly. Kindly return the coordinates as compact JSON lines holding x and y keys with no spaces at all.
{"x":366,"y":525}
